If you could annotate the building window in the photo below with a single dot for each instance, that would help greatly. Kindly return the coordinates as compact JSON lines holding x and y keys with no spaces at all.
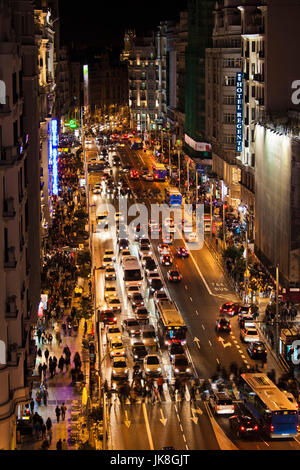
{"x":253,"y":160}
{"x":229,"y":80}
{"x":253,"y":46}
{"x":253,"y":114}
{"x":229,"y":118}
{"x":253,"y":91}
{"x":228,"y":99}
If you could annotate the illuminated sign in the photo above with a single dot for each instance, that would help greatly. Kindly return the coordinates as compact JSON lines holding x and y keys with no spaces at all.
{"x":54,"y":144}
{"x":239,"y":110}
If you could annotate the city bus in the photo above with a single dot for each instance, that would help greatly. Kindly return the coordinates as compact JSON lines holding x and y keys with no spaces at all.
{"x":170,"y":325}
{"x":277,"y":416}
{"x":132,"y":271}
{"x":173,"y":197}
{"x":159,"y":172}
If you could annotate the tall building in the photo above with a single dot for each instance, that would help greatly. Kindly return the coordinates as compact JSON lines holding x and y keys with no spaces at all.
{"x":161,"y":45}
{"x":200,"y":26}
{"x":223,"y":62}
{"x":143,"y":80}
{"x":20,"y":211}
{"x":176,"y":45}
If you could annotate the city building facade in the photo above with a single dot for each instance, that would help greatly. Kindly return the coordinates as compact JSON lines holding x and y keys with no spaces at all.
{"x":20,"y":212}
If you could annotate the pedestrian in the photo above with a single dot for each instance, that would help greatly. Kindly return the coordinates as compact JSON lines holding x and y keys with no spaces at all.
{"x":45,"y":444}
{"x":155,"y":395}
{"x":45,"y":396}
{"x":46,"y":353}
{"x":64,"y":445}
{"x":57,"y":412}
{"x":59,"y":445}
{"x":48,"y":423}
{"x":61,"y":364}
{"x":39,"y":352}
{"x":40,"y":370}
{"x":50,"y":434}
{"x":32,"y":406}
{"x":44,"y":429}
{"x":39,"y":334}
{"x":160,"y":382}
{"x":44,"y":368}
{"x":63,"y":410}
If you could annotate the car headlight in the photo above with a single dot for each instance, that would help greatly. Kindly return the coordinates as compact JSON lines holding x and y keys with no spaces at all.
{"x":155,"y":340}
{"x":188,"y":370}
{"x":176,"y":370}
{"x":159,"y":369}
{"x":114,"y":371}
{"x":131,"y":331}
{"x":126,"y":371}
{"x":135,"y":356}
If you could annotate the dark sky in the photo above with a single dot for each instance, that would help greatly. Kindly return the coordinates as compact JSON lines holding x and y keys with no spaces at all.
{"x":98,"y":22}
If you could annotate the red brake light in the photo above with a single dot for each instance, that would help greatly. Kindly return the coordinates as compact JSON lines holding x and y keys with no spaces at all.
{"x":272,"y":428}
{"x":242,"y":428}
{"x":255,"y":428}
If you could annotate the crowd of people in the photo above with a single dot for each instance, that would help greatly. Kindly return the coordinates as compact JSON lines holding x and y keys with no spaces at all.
{"x":59,"y":277}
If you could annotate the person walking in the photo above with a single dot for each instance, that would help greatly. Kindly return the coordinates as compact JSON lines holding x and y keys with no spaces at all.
{"x":61,"y":364}
{"x":46,"y":353}
{"x":59,"y":445}
{"x":32,"y":406}
{"x":155,"y":395}
{"x":40,"y":370}
{"x":44,"y":429}
{"x":160,"y":382}
{"x":63,"y":410}
{"x":57,"y":412}
{"x":39,"y":334}
{"x":44,"y":368}
{"x":45,"y":396}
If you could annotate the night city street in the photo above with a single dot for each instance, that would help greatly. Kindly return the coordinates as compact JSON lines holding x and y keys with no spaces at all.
{"x":150,"y":229}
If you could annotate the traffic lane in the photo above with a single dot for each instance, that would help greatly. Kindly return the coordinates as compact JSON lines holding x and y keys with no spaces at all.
{"x":128,"y":427}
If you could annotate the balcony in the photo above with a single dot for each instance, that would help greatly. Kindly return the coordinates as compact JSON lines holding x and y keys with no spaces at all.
{"x":261,"y":54}
{"x":11,"y":311}
{"x":261,"y":101}
{"x":8,"y":208}
{"x":246,"y":143}
{"x":246,"y":98}
{"x":10,"y":261}
{"x":8,"y":156}
{"x":246,"y":75}
{"x":5,"y":108}
{"x":247,"y":53}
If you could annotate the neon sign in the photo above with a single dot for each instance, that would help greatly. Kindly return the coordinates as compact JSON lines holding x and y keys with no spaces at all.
{"x":54,"y":151}
{"x":239,"y":110}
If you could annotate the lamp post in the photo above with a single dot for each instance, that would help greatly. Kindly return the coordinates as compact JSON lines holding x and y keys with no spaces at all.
{"x":211,"y":209}
{"x":169,"y":157}
{"x":179,"y":166}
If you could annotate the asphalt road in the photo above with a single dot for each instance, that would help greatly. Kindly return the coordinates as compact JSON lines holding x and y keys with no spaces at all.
{"x":181,"y":424}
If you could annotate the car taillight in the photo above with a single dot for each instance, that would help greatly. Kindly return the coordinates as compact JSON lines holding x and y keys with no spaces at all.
{"x":254,"y":350}
{"x":219,"y":326}
{"x":218,"y":407}
{"x":271,"y":428}
{"x":255,"y":428}
{"x":242,"y":428}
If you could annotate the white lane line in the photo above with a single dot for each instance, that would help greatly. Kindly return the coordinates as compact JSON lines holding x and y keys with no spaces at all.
{"x":203,"y":327}
{"x":181,"y":428}
{"x":186,"y":287}
{"x":197,"y":312}
{"x":191,"y":299}
{"x":199,"y":272}
{"x":187,"y":447}
{"x":218,"y":361}
{"x":209,"y":342}
{"x":148,"y":427}
{"x":184,"y":437}
{"x":242,"y":355}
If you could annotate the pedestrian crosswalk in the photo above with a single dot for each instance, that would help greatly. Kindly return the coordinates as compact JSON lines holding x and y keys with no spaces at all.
{"x":166,"y":397}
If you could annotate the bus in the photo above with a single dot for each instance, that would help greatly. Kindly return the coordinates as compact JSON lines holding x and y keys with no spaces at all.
{"x":170,"y":325}
{"x":277,"y":415}
{"x":173,"y":197}
{"x":159,"y":172}
{"x":132,"y":271}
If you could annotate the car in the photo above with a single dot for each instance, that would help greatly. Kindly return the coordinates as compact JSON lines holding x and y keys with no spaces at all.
{"x":150,"y":266}
{"x":107,"y":260}
{"x":223,"y":325}
{"x":229,"y":308}
{"x":155,"y":284}
{"x":108,"y":317}
{"x":180,"y":365}
{"x":175,"y":348}
{"x":134,"y":175}
{"x":142,"y":315}
{"x":145,"y":250}
{"x":97,"y":189}
{"x":160,"y":295}
{"x":130,"y":290}
{"x":167,"y":240}
{"x":110,"y":273}
{"x":119,"y":216}
{"x":113,"y":303}
{"x":146,"y":258}
{"x":144,"y":171}
{"x":149,"y":336}
{"x":110,"y":253}
{"x":249,"y":335}
{"x":192,"y":237}
{"x":182,"y":252}
{"x":116,"y":348}
{"x":138,"y":351}
{"x":169,"y":226}
{"x":119,"y":368}
{"x":221,"y":403}
{"x":164,"y":249}
{"x":246,"y":319}
{"x":101,"y":217}
{"x":152,"y":365}
{"x":244,"y":309}
{"x":113,"y":332}
{"x":153,"y":225}
{"x":166,"y":260}
{"x":124,"y":253}
{"x":109,"y":290}
{"x":137,"y":300}
{"x":127,"y":168}
{"x":123,"y":244}
{"x":244,"y":425}
{"x":152,"y":275}
{"x":257,"y":351}
{"x":149,"y":177}
{"x":174,"y":275}
{"x":144,"y":241}
{"x":132,"y":326}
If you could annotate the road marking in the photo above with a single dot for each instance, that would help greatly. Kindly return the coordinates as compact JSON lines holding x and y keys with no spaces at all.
{"x":184,"y":437}
{"x":186,"y":287}
{"x":127,"y":421}
{"x":181,"y":428}
{"x":224,"y":344}
{"x":163,"y":420}
{"x":187,"y":447}
{"x":203,"y":327}
{"x":243,"y":356}
{"x":209,"y":342}
{"x":218,"y":361}
{"x":191,"y":299}
{"x":148,"y":427}
{"x":197,"y":341}
{"x":197,"y":313}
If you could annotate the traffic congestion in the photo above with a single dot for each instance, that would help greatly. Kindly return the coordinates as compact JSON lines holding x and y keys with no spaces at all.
{"x":171,"y":330}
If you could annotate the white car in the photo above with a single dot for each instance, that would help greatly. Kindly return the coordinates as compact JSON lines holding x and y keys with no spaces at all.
{"x":118,"y":216}
{"x":97,"y":188}
{"x":124,"y":253}
{"x":144,"y":250}
{"x":160,"y":295}
{"x":192,"y":237}
{"x":152,"y":365}
{"x":107,"y":260}
{"x":169,"y":225}
{"x":116,"y":348}
{"x":249,"y":335}
{"x":148,"y":177}
{"x":113,"y":303}
{"x":113,"y":333}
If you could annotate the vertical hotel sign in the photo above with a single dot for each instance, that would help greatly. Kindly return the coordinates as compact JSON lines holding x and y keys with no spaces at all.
{"x":239,"y":110}
{"x":54,"y":152}
{"x":85,"y":86}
